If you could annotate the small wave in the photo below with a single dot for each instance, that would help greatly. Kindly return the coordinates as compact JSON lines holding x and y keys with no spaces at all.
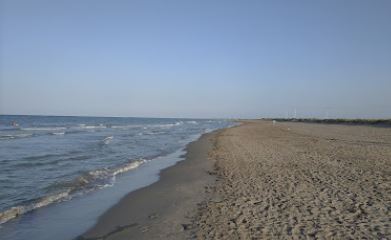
{"x":128,"y":167}
{"x":74,"y":131}
{"x":152,"y":133}
{"x":83,"y":126}
{"x":127,"y":126}
{"x":95,"y":127}
{"x":85,"y":183}
{"x":43,"y":128}
{"x":8,"y":128}
{"x":40,"y":157}
{"x":20,"y":210}
{"x":43,"y":160}
{"x":22,"y":135}
{"x":146,"y":126}
{"x":7,"y":137}
{"x":101,"y":177}
{"x":178,"y":123}
{"x":58,"y":133}
{"x":192,"y":122}
{"x":107,"y":140}
{"x":168,"y":125}
{"x":208,"y":130}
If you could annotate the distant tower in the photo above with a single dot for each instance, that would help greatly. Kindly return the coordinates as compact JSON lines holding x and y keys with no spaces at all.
{"x":295,"y":113}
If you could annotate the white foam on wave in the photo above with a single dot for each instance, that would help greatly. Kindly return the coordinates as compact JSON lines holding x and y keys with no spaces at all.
{"x":146,"y":126}
{"x":100,"y":126}
{"x":178,"y":123}
{"x":129,"y":166}
{"x":20,"y":210}
{"x":102,"y":177}
{"x":107,"y":140}
{"x":22,"y":135}
{"x":208,"y":130}
{"x":58,"y":133}
{"x":127,"y":126}
{"x":168,"y":125}
{"x":85,"y":126}
{"x":43,"y":128}
{"x":92,"y":180}
{"x":153,"y":133}
{"x":7,"y":136}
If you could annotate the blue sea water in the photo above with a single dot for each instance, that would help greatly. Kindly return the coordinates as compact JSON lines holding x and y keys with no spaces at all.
{"x":49,"y":163}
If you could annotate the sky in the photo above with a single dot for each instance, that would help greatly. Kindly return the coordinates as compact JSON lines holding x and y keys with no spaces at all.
{"x":200,"y":58}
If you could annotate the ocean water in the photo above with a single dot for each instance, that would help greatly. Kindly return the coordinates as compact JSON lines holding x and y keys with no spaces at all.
{"x":47,"y":161}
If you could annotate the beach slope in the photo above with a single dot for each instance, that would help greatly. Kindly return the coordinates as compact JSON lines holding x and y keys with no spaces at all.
{"x":163,"y":210}
{"x":299,"y":181}
{"x":265,"y":181}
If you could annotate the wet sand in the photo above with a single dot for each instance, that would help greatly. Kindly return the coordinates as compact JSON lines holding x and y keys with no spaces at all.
{"x":288,"y":181}
{"x":163,"y":210}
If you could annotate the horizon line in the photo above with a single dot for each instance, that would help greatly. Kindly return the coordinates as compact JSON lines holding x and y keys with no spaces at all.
{"x":229,"y":118}
{"x":92,"y":116}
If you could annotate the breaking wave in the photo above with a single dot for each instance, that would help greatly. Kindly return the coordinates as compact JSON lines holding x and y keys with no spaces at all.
{"x":20,"y":210}
{"x":107,"y":140}
{"x":10,"y":136}
{"x":87,"y":182}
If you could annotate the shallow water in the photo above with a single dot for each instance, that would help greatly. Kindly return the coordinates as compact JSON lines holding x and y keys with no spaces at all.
{"x":69,"y":219}
{"x":46,"y":160}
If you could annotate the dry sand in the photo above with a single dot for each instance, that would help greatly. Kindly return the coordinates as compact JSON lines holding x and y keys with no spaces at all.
{"x":288,"y":181}
{"x":299,"y":181}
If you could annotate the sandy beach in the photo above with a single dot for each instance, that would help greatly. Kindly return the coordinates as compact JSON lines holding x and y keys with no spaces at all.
{"x":265,"y":181}
{"x":165,"y":209}
{"x":146,"y":120}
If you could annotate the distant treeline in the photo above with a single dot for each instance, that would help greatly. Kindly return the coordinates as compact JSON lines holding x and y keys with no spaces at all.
{"x":374,"y":122}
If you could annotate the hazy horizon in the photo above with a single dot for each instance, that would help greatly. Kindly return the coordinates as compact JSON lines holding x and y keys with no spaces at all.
{"x":188,"y":59}
{"x":200,"y":118}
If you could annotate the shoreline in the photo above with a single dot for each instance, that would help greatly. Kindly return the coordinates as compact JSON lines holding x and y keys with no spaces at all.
{"x":165,"y":208}
{"x":74,"y":216}
{"x":259,"y":180}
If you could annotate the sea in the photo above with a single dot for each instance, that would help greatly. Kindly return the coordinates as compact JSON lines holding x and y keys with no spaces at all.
{"x":59,"y":174}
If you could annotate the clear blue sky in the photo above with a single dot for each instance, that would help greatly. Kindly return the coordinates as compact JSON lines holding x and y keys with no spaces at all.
{"x":199,"y":58}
